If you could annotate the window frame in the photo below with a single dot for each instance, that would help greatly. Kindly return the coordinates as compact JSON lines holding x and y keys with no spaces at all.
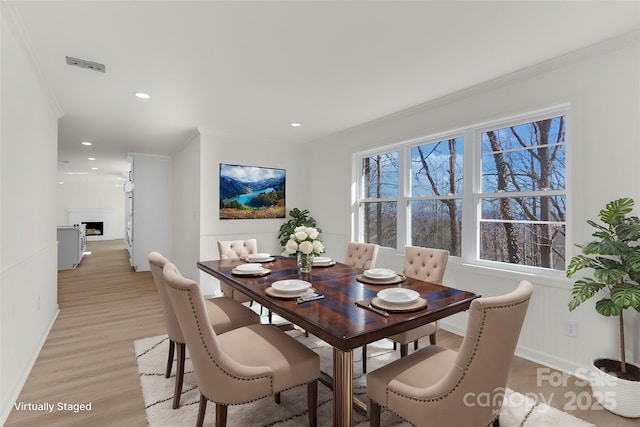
{"x":471,"y":195}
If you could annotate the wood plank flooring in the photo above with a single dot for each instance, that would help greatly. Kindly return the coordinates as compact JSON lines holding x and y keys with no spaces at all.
{"x":105,"y":306}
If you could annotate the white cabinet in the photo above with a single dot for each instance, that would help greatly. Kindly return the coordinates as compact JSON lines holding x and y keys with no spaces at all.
{"x":72,"y":243}
{"x":148,"y":209}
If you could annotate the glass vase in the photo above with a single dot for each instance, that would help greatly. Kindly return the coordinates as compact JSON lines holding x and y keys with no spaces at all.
{"x":305,"y":262}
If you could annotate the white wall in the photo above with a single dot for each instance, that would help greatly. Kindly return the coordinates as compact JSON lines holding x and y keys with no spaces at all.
{"x":91,"y":194}
{"x":602,"y":86}
{"x":185,"y":204}
{"x":28,"y":254}
{"x":152,"y":206}
{"x":216,"y":149}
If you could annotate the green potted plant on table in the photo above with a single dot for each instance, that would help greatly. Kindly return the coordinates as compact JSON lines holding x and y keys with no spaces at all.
{"x":614,"y":258}
{"x":298,"y":218}
{"x":299,"y":236}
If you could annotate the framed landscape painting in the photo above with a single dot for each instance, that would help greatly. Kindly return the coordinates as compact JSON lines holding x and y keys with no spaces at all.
{"x":250,"y":192}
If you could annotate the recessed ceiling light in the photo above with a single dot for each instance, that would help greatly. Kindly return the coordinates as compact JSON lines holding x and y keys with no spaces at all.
{"x":86,"y":143}
{"x":94,"y":169}
{"x":142,"y":95}
{"x":296,"y":125}
{"x":60,"y":182}
{"x":91,"y":158}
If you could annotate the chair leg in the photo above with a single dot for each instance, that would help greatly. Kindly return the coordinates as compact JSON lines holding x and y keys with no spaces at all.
{"x":374,"y":414}
{"x":221,"y":415}
{"x":312,"y":402}
{"x":364,"y":359}
{"x":404,"y":350}
{"x":202,"y":408}
{"x":172,"y":346}
{"x":432,"y":338}
{"x":277,"y":398}
{"x":415,"y":345}
{"x":496,"y":422}
{"x":181,"y":347}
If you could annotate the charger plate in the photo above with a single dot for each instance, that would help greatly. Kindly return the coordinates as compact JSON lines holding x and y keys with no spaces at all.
{"x":369,"y":281}
{"x":419,"y":304}
{"x":288,"y":295}
{"x":260,"y":273}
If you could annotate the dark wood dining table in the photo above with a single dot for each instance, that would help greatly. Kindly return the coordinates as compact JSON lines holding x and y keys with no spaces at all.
{"x":336,"y":318}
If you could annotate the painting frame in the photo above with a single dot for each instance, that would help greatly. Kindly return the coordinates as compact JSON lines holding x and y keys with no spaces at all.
{"x":251,"y":192}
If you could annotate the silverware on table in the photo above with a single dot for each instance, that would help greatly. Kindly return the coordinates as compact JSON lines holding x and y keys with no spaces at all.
{"x":368,"y":306}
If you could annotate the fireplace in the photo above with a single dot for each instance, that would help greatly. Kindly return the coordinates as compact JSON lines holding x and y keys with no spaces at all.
{"x":100,"y":223}
{"x":94,"y":228}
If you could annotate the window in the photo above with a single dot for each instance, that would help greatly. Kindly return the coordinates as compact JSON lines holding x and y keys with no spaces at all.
{"x":380,"y":203}
{"x":523,"y":201}
{"x":435,"y":201}
{"x":514,"y":192}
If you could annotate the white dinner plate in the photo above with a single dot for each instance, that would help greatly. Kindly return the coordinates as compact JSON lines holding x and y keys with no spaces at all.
{"x":322,"y":260}
{"x":398,"y":296}
{"x":258,"y":257}
{"x":249,"y":268}
{"x":290,"y":286}
{"x":380,"y":273}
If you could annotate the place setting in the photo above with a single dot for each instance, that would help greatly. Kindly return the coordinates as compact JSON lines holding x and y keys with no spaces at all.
{"x":380,"y":276}
{"x":260,"y":257}
{"x":323,"y":261}
{"x":292,"y":289}
{"x":251,"y":269}
{"x":394,"y":300}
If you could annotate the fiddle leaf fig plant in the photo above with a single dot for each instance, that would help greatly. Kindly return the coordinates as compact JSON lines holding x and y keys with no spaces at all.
{"x":614,"y":259}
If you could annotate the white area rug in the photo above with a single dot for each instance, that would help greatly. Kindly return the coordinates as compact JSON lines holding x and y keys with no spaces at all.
{"x":151,"y":354}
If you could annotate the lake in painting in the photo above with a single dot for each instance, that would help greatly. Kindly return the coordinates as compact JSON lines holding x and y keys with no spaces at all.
{"x":249,"y":192}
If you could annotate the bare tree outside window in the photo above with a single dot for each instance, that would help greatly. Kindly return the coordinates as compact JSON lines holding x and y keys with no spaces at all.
{"x":436,"y":187}
{"x":523,"y":208}
{"x":380,"y":183}
{"x":514,"y":203}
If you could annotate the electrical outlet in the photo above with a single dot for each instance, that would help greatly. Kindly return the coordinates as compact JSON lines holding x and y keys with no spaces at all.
{"x":571,"y":328}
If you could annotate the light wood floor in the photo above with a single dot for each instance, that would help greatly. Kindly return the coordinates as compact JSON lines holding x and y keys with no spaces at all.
{"x":105,"y":306}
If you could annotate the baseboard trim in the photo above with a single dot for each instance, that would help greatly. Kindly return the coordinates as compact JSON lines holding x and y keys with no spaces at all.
{"x":6,"y":410}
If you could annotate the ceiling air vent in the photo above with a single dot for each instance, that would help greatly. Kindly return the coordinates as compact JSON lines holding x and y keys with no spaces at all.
{"x":86,"y":64}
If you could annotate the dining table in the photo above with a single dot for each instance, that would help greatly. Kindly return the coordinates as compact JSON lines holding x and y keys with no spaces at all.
{"x":344,"y":317}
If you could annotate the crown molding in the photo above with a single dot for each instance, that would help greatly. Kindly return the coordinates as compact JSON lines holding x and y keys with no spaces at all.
{"x":589,"y":52}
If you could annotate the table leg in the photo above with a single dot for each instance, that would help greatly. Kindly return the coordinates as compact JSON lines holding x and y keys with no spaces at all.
{"x":342,"y":387}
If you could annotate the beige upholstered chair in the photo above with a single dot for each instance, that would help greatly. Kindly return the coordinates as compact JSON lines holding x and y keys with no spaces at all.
{"x":223,"y":313}
{"x":241,"y":365}
{"x":436,"y":386}
{"x":423,"y":264}
{"x":361,"y":255}
{"x":236,"y":249}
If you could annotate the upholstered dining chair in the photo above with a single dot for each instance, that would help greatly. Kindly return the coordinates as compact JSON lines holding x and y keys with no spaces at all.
{"x":423,"y":264}
{"x":236,"y":249}
{"x":436,"y":386}
{"x":361,"y":255}
{"x":223,"y":314}
{"x":426,"y":264}
{"x":241,"y":365}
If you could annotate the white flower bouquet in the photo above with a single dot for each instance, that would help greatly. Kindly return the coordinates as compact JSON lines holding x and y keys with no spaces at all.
{"x":304,"y":240}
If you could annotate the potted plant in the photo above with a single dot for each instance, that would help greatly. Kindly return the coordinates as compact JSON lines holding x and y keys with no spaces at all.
{"x":614,"y":258}
{"x":298,"y":218}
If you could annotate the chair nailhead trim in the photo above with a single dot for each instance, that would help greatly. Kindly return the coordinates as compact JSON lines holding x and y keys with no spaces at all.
{"x":213,"y":360}
{"x":471,"y":359}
